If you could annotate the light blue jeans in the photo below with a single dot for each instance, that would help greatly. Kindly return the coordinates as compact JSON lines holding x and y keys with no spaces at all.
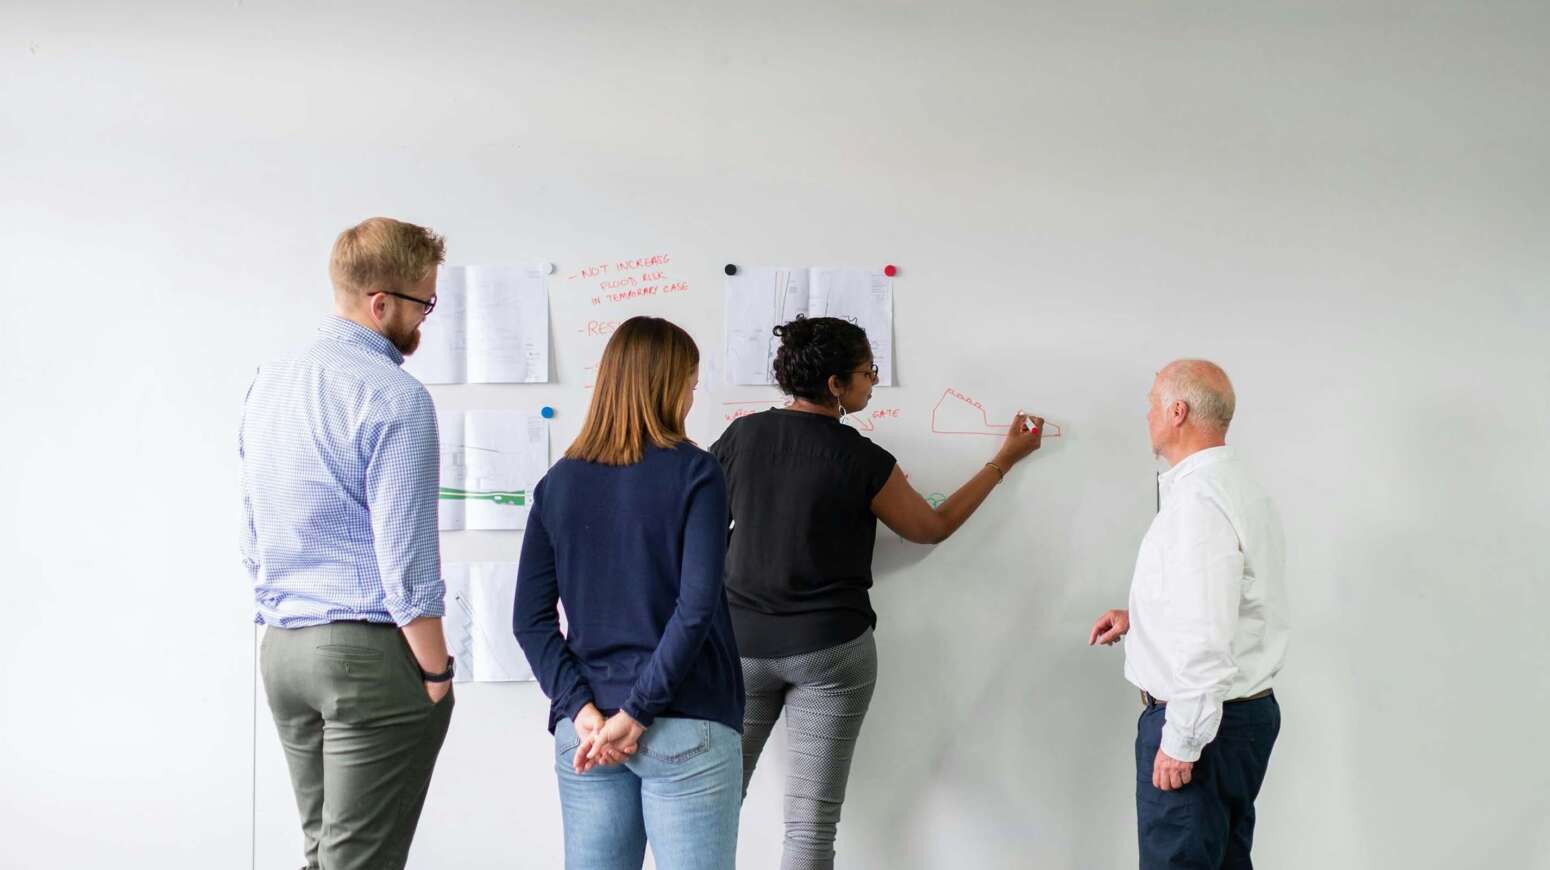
{"x":681,"y":791}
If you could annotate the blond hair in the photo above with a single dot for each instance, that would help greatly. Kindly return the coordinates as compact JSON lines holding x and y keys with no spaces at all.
{"x":380,"y":254}
{"x":640,"y":398}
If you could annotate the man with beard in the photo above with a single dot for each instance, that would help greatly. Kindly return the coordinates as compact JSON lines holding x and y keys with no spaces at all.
{"x":340,"y":475}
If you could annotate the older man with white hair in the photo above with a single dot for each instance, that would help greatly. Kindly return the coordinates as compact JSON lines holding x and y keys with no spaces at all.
{"x":1207,"y":632}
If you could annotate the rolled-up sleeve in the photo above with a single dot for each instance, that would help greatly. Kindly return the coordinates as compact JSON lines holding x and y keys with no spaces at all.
{"x":402,"y":485}
{"x":1203,"y":565}
{"x":248,"y":534}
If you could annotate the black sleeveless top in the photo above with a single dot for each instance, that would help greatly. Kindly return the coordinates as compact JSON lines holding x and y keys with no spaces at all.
{"x":799,"y":561}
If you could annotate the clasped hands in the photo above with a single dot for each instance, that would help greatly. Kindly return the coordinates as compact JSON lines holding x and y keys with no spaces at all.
{"x":604,"y":741}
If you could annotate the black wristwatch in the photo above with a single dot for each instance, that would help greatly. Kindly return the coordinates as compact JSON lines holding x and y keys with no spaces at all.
{"x":441,"y":677}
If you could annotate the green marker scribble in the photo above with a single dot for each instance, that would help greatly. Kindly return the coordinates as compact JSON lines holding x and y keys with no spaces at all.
{"x":935,"y":499}
{"x":514,"y":498}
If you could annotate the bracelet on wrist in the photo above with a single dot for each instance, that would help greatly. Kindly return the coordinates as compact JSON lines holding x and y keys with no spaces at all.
{"x":1000,"y":472}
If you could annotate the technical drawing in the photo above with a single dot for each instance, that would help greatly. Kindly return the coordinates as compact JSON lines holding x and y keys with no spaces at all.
{"x":959,"y":414}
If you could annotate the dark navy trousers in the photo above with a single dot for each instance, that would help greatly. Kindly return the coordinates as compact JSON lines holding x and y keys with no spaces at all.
{"x":1209,"y":823}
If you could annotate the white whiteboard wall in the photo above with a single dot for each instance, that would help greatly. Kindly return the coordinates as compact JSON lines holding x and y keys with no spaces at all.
{"x":1346,"y":204}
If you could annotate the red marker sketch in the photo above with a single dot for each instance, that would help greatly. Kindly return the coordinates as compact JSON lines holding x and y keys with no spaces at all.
{"x":866,"y":421}
{"x":733,"y":410}
{"x":958,"y":414}
{"x":623,"y":280}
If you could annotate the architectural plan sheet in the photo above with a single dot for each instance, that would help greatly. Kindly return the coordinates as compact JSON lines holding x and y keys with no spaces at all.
{"x":490,"y":462}
{"x":758,"y":300}
{"x":490,"y":326}
{"x":478,"y":622}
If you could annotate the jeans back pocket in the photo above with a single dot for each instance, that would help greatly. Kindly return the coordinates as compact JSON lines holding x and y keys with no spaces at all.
{"x":565,"y":739}
{"x":675,"y":740}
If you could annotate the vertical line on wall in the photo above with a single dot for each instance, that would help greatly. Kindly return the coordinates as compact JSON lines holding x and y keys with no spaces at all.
{"x":253,"y":772}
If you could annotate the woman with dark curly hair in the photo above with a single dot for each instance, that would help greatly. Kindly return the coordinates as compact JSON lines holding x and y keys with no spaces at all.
{"x":806,"y":492}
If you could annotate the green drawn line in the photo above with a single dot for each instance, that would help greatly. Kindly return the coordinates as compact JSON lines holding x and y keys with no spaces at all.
{"x":516,"y":498}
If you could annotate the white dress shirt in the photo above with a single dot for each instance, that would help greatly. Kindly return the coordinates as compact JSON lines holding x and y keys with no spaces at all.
{"x":1208,"y":601}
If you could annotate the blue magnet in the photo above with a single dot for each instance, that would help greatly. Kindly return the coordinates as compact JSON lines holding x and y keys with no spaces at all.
{"x":547,"y":412}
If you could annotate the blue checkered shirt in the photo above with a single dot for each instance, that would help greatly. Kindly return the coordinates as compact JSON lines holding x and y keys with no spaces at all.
{"x":340,"y":472}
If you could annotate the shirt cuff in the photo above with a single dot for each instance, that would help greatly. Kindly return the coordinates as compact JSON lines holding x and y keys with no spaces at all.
{"x":405,"y":612}
{"x":1178,"y":747}
{"x":638,"y":714}
{"x":572,"y":709}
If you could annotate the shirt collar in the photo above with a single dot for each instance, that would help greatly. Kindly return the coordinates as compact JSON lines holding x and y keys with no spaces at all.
{"x":1192,"y":463}
{"x":342,"y":329}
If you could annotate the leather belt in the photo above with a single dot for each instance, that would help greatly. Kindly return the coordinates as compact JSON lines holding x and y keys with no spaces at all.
{"x":1150,"y":701}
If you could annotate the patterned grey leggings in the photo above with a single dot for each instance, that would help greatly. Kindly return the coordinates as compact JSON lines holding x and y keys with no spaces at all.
{"x":825,"y":694}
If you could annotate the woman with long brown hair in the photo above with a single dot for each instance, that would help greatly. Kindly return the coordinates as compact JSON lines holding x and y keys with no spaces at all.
{"x":629,"y":532}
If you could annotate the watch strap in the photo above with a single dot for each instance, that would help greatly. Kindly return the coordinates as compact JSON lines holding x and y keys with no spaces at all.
{"x":441,"y":677}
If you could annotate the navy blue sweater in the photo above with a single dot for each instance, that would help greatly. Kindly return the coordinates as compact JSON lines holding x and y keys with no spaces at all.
{"x":636,"y":554}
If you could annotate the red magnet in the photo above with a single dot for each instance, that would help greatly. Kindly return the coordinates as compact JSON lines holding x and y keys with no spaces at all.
{"x":890,"y":270}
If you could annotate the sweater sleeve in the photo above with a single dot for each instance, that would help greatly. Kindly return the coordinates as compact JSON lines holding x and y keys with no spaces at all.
{"x":535,"y":619}
{"x":700,"y":593}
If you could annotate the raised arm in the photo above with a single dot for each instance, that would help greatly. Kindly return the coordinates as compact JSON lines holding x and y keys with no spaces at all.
{"x":903,"y":509}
